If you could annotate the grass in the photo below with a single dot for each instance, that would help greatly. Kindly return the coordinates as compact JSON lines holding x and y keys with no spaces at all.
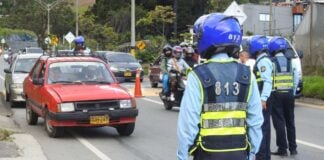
{"x":313,"y":86}
{"x":5,"y":135}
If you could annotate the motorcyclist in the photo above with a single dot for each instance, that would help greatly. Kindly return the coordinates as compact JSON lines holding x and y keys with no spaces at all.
{"x":80,"y":48}
{"x":176,"y":63}
{"x":189,"y":57}
{"x":165,"y":56}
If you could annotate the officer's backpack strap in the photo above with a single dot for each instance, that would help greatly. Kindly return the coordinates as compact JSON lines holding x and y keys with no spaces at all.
{"x":208,"y":82}
{"x":289,"y":65}
{"x":205,"y":75}
{"x":276,"y":62}
{"x":244,"y":79}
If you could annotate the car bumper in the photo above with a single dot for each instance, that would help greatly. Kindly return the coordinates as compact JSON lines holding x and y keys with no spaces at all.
{"x":80,"y":118}
{"x":15,"y":95}
{"x":299,"y":90}
{"x":155,"y":78}
{"x":120,"y":75}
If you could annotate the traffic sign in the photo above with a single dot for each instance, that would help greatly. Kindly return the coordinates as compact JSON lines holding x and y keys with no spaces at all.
{"x":234,"y":10}
{"x":69,"y":37}
{"x":3,"y":41}
{"x":140,"y":45}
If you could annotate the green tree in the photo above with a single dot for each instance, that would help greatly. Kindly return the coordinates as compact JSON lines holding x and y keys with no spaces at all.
{"x":161,"y":15}
{"x":31,"y":16}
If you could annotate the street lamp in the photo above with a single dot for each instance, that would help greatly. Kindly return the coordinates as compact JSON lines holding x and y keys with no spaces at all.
{"x":48,"y":7}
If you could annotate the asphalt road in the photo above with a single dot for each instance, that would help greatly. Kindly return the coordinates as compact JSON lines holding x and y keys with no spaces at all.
{"x":154,"y":137}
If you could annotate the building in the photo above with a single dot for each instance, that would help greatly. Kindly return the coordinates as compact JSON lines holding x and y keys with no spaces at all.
{"x":258,"y":18}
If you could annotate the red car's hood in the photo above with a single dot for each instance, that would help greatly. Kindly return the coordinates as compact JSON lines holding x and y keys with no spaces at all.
{"x":69,"y":93}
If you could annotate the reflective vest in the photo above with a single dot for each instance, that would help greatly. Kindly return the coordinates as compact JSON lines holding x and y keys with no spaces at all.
{"x":283,"y":75}
{"x":226,"y":89}
{"x":257,"y":74}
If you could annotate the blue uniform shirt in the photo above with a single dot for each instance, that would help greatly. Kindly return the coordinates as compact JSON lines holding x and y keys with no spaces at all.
{"x":189,"y":115}
{"x":295,"y":73}
{"x":265,"y":68}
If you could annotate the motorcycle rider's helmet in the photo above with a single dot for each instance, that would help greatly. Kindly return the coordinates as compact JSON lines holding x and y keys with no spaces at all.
{"x":217,"y":33}
{"x":257,"y":44}
{"x":177,"y":52}
{"x":79,"y":40}
{"x":189,"y":52}
{"x":167,"y":50}
{"x":184,"y":45}
{"x":277,"y":44}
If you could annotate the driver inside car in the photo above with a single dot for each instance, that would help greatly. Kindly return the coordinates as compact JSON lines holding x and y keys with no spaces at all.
{"x":54,"y":75}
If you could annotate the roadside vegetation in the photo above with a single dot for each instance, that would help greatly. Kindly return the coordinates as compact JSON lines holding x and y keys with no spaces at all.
{"x":5,"y":135}
{"x":313,"y":82}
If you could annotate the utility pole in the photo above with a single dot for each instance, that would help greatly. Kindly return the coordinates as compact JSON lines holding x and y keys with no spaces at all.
{"x":133,"y":28}
{"x":77,"y":18}
{"x":48,"y":8}
{"x":270,"y":18}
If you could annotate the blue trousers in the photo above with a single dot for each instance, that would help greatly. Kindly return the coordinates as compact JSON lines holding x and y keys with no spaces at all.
{"x":165,"y":82}
{"x":264,"y":152}
{"x":283,"y":119}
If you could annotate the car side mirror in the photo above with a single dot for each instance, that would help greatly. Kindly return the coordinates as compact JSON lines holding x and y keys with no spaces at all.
{"x":38,"y":81}
{"x":7,"y":70}
{"x":300,"y":54}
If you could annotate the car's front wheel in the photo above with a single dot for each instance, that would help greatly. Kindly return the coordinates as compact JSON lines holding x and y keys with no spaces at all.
{"x":52,"y":131}
{"x":31,"y":116}
{"x":126,"y":129}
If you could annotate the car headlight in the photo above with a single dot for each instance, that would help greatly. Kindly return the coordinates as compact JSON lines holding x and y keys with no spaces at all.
{"x":114,"y":69}
{"x":66,"y":107}
{"x":17,"y":85}
{"x":125,"y":103}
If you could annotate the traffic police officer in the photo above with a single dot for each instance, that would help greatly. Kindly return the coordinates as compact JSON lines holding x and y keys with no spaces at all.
{"x":80,"y":47}
{"x":285,"y":84}
{"x":221,"y":111}
{"x":258,"y":48}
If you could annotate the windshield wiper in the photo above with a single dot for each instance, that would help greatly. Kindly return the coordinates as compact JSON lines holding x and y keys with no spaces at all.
{"x":62,"y":82}
{"x":97,"y":82}
{"x":22,"y":71}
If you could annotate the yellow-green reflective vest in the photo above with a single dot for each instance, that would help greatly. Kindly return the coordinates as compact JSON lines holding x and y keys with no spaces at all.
{"x":283,"y":75}
{"x":226,"y":89}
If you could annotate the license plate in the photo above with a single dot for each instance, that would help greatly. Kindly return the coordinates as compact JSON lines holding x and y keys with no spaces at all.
{"x":99,"y":119}
{"x":127,"y":74}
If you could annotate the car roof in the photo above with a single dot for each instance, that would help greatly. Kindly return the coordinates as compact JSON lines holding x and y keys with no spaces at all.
{"x":69,"y":59}
{"x":111,"y":52}
{"x":29,"y":55}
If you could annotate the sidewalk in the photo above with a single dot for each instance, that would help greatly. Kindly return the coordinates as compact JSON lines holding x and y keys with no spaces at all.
{"x":20,"y":145}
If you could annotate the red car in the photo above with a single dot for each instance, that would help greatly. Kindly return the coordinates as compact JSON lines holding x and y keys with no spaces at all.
{"x":77,"y":92}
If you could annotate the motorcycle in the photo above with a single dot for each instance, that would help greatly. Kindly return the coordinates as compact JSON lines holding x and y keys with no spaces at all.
{"x":177,"y":84}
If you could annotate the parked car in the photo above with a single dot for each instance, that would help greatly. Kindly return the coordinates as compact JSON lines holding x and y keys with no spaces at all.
{"x":77,"y":92}
{"x":15,"y":75}
{"x":124,"y":65}
{"x":32,"y":50}
{"x":154,"y":73}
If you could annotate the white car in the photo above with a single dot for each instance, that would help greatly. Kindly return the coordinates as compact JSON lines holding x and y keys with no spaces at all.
{"x":15,"y":75}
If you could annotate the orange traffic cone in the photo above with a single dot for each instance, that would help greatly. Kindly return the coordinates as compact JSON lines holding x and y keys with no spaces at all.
{"x":138,"y":90}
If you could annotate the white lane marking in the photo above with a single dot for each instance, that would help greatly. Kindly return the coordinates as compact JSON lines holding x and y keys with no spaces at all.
{"x":310,"y":144}
{"x":2,"y":78}
{"x":298,"y":141}
{"x":151,"y":100}
{"x":92,"y":148}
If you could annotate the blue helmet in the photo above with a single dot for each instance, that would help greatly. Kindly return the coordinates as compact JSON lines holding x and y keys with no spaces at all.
{"x":79,"y":40}
{"x":277,"y":44}
{"x":257,"y":44}
{"x":217,"y":33}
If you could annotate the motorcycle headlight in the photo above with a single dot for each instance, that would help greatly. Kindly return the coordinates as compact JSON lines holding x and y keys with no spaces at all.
{"x":66,"y":107}
{"x":125,"y":103}
{"x":17,"y":85}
